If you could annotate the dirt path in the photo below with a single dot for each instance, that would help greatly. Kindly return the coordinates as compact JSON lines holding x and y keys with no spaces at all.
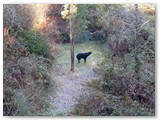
{"x":72,"y":85}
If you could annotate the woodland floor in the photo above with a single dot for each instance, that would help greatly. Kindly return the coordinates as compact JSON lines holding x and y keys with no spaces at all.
{"x":71,"y":86}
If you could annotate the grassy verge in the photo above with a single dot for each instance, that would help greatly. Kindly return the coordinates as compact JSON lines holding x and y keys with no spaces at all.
{"x":95,"y":58}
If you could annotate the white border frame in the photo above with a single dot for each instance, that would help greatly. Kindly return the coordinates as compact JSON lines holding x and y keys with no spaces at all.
{"x":157,"y":75}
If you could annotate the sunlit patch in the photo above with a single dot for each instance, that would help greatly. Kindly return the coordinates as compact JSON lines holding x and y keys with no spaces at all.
{"x":39,"y":17}
{"x":93,"y":63}
{"x":5,"y":32}
{"x":145,"y":8}
{"x":9,"y":39}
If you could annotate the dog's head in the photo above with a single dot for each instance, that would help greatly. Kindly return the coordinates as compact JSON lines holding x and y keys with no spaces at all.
{"x":89,"y":53}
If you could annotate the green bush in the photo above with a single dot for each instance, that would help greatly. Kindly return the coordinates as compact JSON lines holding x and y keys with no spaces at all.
{"x":103,"y":104}
{"x":42,"y":77}
{"x":34,"y":43}
{"x":108,"y":73}
{"x":97,"y":36}
{"x":65,"y":37}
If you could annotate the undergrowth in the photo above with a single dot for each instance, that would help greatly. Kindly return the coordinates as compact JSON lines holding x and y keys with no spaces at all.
{"x":117,"y":92}
{"x":27,"y":75}
{"x":34,"y":43}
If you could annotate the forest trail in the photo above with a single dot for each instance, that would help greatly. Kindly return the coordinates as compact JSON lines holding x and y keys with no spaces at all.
{"x":72,"y":85}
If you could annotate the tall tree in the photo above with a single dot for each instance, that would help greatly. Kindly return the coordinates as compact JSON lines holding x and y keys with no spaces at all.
{"x":69,"y":13}
{"x":76,"y":15}
{"x":135,"y":44}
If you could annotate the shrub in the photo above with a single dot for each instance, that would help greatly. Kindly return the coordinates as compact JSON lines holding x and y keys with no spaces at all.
{"x":34,"y":43}
{"x":93,"y":105}
{"x":41,"y":77}
{"x":25,"y":88}
{"x":17,"y":16}
{"x":97,"y":36}
{"x":103,"y":104}
{"x":65,"y":37}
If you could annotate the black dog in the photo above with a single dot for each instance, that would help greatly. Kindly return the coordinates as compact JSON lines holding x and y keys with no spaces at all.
{"x":83,"y":56}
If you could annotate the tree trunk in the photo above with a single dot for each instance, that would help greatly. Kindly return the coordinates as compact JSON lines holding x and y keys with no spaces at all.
{"x":71,"y":46}
{"x":136,"y":43}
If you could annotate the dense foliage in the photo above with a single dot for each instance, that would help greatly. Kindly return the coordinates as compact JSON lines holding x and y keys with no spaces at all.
{"x":118,"y":91}
{"x":34,"y":43}
{"x":27,"y":65}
